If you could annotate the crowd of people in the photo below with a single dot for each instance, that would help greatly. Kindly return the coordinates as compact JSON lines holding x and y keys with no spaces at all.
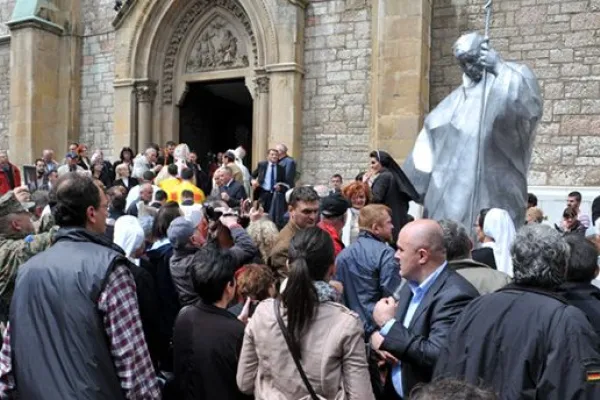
{"x":158,"y":277}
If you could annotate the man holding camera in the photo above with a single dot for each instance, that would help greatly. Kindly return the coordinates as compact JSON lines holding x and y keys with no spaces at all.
{"x":217,"y":224}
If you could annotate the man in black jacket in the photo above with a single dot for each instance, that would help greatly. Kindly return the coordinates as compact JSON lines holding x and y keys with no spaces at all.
{"x":268,"y":177}
{"x":206,"y":359}
{"x":458,"y":253}
{"x":583,"y":269}
{"x":232,"y":192}
{"x":524,"y":341}
{"x":414,"y":329}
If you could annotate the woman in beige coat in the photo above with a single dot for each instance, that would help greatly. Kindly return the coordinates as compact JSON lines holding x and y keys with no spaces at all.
{"x":327,"y":336}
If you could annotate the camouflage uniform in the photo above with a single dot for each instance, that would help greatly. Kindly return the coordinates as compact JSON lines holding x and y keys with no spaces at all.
{"x":15,"y":251}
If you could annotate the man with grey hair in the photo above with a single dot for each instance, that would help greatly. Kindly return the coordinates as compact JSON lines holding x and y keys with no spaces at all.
{"x":458,"y":253}
{"x":525,"y":341}
{"x":146,"y":162}
{"x":49,"y":161}
{"x":288,"y":163}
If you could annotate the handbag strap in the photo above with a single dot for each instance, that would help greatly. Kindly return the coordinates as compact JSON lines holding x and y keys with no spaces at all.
{"x":288,"y":340}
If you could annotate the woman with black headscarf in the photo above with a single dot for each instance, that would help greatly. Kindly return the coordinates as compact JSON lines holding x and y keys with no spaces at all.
{"x":390,"y":187}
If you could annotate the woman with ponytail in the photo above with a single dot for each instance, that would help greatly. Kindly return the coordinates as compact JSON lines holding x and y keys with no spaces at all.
{"x":325,"y":337}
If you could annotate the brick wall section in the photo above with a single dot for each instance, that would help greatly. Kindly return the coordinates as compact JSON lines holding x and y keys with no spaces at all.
{"x":97,"y":76}
{"x":4,"y":94}
{"x":559,"y":40}
{"x":6,"y":9}
{"x":336,"y":110}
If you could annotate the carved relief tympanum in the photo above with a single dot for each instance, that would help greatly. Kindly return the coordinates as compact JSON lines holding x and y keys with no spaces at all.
{"x":217,"y":48}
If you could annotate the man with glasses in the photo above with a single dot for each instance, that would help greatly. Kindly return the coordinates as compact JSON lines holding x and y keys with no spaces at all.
{"x":77,"y":302}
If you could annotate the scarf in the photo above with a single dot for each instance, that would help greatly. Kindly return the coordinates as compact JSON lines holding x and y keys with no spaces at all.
{"x":129,"y":235}
{"x":404,"y":185}
{"x":326,"y":292}
{"x":499,"y":226}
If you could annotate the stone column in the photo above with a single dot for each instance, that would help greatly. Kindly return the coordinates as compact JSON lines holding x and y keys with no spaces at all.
{"x":261,"y":116}
{"x":145,"y":93}
{"x":125,"y":120}
{"x":400,"y":71}
{"x":45,"y":78}
{"x":286,"y":107}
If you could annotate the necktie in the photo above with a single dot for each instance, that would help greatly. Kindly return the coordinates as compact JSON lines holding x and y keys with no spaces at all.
{"x":273,"y":177}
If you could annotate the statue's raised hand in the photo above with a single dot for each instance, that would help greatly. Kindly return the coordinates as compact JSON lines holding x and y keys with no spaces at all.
{"x":488,"y":58}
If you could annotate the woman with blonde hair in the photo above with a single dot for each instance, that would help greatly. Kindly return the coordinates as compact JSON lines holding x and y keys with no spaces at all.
{"x":263,"y":233}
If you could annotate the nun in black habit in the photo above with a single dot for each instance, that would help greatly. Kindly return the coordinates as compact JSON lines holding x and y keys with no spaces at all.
{"x":391,"y":187}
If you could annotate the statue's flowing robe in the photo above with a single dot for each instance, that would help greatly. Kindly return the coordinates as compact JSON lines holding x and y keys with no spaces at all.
{"x":443,"y":164}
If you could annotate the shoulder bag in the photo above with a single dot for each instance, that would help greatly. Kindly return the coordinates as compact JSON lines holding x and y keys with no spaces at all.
{"x":288,"y":340}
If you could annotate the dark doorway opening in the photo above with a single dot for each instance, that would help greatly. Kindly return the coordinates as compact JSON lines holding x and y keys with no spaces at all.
{"x":216,"y":116}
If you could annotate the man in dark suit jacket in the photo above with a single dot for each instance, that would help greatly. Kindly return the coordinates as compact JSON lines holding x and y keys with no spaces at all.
{"x":212,"y":274}
{"x":231,"y":191}
{"x":269,"y":177}
{"x":414,"y":329}
{"x":583,"y":269}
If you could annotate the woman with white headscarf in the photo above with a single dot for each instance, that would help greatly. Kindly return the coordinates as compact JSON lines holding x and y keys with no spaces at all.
{"x":499,"y":234}
{"x":240,"y":153}
{"x":129,"y":235}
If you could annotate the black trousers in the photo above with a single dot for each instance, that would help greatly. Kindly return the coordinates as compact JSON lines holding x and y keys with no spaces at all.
{"x":264,"y":198}
{"x":390,"y":392}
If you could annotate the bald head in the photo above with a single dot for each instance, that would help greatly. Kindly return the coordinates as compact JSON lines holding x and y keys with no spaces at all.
{"x":426,"y":233}
{"x":420,"y":249}
{"x":146,"y":192}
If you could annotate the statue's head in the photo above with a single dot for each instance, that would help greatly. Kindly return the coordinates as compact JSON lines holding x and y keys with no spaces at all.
{"x":467,"y":50}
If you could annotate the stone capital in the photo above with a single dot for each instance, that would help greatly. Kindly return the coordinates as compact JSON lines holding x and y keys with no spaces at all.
{"x":262,"y":84}
{"x":300,"y":3}
{"x":145,"y":91}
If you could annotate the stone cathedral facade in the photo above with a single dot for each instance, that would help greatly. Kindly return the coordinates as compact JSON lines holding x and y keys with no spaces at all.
{"x":332,"y":79}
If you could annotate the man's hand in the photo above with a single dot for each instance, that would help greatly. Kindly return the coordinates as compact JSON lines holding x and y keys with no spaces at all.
{"x":385,"y":309}
{"x":22,"y":194}
{"x":488,"y":58}
{"x":337,"y":285}
{"x":376,"y":342}
{"x":255,"y":214}
{"x":254,"y":183}
{"x":157,"y":168}
{"x":229,"y":221}
{"x":225,"y":196}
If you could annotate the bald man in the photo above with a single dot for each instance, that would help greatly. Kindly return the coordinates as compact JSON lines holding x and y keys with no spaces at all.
{"x":414,"y":329}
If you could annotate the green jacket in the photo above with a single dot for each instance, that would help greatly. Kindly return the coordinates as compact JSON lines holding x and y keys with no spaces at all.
{"x":13,"y":254}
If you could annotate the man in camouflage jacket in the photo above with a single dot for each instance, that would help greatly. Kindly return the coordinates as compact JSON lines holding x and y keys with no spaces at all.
{"x":18,"y":242}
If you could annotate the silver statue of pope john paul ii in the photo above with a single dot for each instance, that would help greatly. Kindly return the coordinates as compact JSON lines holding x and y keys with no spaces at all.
{"x":474,"y":152}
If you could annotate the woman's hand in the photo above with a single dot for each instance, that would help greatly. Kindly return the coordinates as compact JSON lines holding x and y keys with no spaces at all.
{"x":245,"y":314}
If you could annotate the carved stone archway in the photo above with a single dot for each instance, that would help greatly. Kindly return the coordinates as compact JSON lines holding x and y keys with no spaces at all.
{"x":164,"y":45}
